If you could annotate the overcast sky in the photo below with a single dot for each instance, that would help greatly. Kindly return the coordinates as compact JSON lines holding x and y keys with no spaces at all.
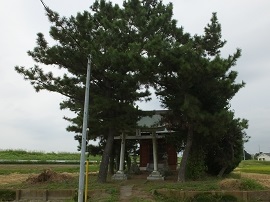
{"x":33,"y":121}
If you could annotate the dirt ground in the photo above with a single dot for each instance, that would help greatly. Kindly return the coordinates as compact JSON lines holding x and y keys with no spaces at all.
{"x":46,"y":175}
{"x":13,"y":178}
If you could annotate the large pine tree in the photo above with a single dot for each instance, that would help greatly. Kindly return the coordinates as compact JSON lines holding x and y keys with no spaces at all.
{"x":119,"y":40}
{"x":196,"y":83}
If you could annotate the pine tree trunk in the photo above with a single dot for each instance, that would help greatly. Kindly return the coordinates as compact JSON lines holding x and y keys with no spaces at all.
{"x":227,"y":162}
{"x":183,"y":164}
{"x":103,"y":169}
{"x":117,"y":161}
{"x":221,"y":172}
{"x":111,"y":164}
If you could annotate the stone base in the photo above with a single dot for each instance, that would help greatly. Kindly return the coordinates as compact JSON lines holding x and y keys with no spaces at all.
{"x":119,"y":175}
{"x":155,"y":175}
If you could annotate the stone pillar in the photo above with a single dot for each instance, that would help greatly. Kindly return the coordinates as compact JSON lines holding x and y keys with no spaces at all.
{"x":122,"y":153}
{"x":120,"y":175}
{"x":155,"y":175}
{"x":155,"y":157}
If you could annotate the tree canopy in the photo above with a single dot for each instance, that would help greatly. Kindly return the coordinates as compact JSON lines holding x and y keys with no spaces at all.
{"x":197,"y":84}
{"x":133,"y":46}
{"x":119,"y":40}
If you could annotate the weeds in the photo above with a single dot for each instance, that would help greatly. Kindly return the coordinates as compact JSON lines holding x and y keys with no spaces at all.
{"x":7,"y":195}
{"x":250,"y":184}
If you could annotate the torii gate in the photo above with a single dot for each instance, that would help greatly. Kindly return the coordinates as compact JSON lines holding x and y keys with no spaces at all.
{"x":149,"y":128}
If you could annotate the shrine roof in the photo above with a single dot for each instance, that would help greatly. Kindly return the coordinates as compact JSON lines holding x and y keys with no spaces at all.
{"x":152,"y":121}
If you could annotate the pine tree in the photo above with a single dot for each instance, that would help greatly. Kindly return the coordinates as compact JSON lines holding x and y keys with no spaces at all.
{"x":196,"y":83}
{"x":121,"y":41}
{"x":224,"y":144}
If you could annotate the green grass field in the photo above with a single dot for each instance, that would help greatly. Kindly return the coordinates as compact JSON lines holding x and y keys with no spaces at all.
{"x":14,"y":155}
{"x":254,"y":166}
{"x":248,"y":166}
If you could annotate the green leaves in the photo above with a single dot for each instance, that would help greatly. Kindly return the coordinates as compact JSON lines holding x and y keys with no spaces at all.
{"x":211,"y":41}
{"x":196,"y":84}
{"x":124,"y":43}
{"x":133,"y":47}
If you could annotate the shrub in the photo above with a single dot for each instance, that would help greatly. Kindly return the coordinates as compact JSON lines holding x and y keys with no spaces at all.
{"x":206,"y":197}
{"x":7,"y":195}
{"x":250,"y":184}
{"x":195,"y":166}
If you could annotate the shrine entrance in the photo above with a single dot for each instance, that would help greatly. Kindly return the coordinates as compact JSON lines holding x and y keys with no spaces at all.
{"x":155,"y":153}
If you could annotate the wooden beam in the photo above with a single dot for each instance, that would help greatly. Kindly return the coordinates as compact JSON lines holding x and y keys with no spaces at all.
{"x":140,"y":137}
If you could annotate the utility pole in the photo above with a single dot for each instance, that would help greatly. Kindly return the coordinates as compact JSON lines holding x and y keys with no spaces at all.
{"x":84,"y":132}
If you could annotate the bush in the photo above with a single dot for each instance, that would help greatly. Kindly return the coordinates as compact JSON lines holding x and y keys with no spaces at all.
{"x":250,"y":184}
{"x":206,"y":197}
{"x":196,"y":166}
{"x":7,"y":195}
{"x":214,"y":165}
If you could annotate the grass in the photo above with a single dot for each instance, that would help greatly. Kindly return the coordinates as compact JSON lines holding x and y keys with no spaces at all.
{"x":111,"y":188}
{"x":7,"y":195}
{"x":206,"y":185}
{"x":34,"y":169}
{"x":250,"y":184}
{"x":6,"y":169}
{"x":13,"y":155}
{"x":253,"y":166}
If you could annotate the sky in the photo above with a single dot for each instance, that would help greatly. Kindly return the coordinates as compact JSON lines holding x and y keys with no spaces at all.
{"x":33,"y":121}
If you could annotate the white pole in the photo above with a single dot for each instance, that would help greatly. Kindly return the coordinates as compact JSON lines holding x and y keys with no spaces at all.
{"x":84,"y":131}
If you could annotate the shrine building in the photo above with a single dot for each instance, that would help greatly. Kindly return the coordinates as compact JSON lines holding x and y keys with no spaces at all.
{"x":155,"y":153}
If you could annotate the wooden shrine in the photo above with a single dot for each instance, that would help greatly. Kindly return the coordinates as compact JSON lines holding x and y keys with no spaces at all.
{"x":155,"y":153}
